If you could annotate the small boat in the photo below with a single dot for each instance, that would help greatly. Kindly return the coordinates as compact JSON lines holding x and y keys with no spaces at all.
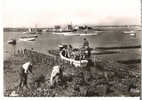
{"x":129,"y":32}
{"x":29,"y":31}
{"x":89,"y":34}
{"x":132,"y":34}
{"x":27,"y":39}
{"x":76,"y":63}
{"x":35,"y":36}
{"x":76,"y":34}
{"x":32,"y":36}
{"x":12,"y":41}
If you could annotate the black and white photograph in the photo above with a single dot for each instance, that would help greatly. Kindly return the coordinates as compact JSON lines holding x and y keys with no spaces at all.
{"x":71,"y":48}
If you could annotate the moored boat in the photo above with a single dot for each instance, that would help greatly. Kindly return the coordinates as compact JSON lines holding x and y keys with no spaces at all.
{"x":29,"y":32}
{"x":77,"y":57}
{"x":32,"y":31}
{"x":12,"y":41}
{"x":76,"y":63}
{"x":27,"y":39}
{"x":129,"y":32}
{"x":35,"y":36}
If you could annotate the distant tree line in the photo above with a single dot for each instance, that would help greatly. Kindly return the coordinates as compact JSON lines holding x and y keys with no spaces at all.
{"x":14,"y":29}
{"x":20,"y":29}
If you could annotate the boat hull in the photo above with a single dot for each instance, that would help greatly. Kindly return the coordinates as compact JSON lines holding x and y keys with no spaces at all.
{"x":27,"y":39}
{"x":12,"y":42}
{"x":76,"y":63}
{"x":29,"y":32}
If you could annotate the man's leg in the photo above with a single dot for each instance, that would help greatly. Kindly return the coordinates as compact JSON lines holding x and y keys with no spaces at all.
{"x":21,"y":83}
{"x":52,"y":82}
{"x":25,"y":81}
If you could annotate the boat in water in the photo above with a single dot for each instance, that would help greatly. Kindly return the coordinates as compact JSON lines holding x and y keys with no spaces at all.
{"x":131,"y":33}
{"x":75,"y":34}
{"x":35,"y":36}
{"x":32,"y":31}
{"x":76,"y":62}
{"x":29,"y":31}
{"x":12,"y":41}
{"x":27,"y":39}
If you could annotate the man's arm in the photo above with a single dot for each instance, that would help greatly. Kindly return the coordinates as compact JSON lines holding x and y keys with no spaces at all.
{"x":30,"y":69}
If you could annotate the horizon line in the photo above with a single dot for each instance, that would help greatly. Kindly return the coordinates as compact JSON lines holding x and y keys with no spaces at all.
{"x":68,"y":24}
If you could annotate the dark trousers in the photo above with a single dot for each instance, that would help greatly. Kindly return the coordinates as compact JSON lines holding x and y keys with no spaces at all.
{"x":23,"y":78}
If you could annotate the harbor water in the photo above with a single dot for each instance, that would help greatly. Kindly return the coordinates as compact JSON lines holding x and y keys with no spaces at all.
{"x":49,"y":41}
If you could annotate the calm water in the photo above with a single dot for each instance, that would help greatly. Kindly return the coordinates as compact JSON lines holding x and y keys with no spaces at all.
{"x":47,"y":41}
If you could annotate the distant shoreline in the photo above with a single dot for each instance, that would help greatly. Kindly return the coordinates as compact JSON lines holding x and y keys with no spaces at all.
{"x":95,"y":27}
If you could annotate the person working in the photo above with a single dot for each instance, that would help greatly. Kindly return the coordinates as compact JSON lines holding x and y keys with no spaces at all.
{"x":56,"y":75}
{"x":86,"y":43}
{"x":23,"y":73}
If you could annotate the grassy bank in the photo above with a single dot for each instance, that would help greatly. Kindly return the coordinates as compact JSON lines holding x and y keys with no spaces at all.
{"x":105,"y":77}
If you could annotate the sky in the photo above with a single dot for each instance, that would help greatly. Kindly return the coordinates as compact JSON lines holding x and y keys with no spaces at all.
{"x":42,"y":13}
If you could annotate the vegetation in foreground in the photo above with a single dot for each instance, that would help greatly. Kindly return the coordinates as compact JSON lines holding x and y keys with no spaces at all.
{"x":105,"y":77}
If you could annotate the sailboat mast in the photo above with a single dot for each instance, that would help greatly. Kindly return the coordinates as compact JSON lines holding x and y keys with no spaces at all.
{"x":30,"y":30}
